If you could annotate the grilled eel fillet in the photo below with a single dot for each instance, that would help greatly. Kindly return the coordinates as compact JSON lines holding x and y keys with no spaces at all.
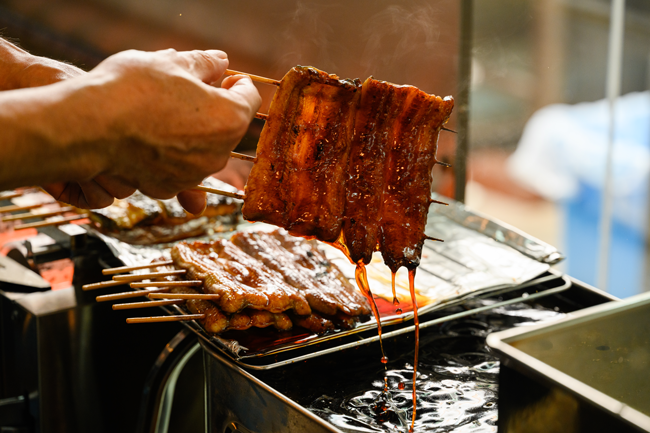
{"x":410,"y":158}
{"x":216,"y":321}
{"x":303,"y":266}
{"x":300,"y":282}
{"x":272,"y":272}
{"x":296,"y":180}
{"x":239,"y":280}
{"x":342,"y":161}
{"x":139,"y":219}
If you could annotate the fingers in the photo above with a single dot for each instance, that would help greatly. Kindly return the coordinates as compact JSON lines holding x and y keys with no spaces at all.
{"x":84,"y":195}
{"x":93,"y":196}
{"x":208,"y":66}
{"x":243,"y":86}
{"x":193,"y":201}
{"x":114,"y":186}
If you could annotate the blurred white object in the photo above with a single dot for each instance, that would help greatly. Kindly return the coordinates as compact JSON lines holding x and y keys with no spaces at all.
{"x":564,"y":146}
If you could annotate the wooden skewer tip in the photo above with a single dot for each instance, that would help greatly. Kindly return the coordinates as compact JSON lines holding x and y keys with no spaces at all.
{"x":183,"y":283}
{"x":254,"y":77}
{"x":127,"y":295}
{"x":218,"y":191}
{"x":139,"y":277}
{"x":124,"y":269}
{"x":57,"y":222}
{"x":243,"y":157}
{"x":207,"y":296}
{"x":103,"y":284}
{"x":156,"y":319}
{"x":147,"y":304}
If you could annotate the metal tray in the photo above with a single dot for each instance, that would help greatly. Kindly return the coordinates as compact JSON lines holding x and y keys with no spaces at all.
{"x":289,"y":353}
{"x":588,"y":372}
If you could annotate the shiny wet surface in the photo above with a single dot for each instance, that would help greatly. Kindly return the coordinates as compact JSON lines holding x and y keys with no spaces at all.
{"x":456,"y":387}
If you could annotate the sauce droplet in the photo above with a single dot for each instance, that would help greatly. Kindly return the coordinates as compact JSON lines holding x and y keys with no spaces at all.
{"x":398,"y":310}
{"x":400,"y":385}
{"x":384,"y":359}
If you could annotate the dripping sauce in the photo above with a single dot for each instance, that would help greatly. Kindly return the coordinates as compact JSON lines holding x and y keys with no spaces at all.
{"x":361,"y":277}
{"x":416,"y":322}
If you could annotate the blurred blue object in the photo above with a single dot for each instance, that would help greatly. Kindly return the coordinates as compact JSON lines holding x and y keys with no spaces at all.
{"x":561,"y":156}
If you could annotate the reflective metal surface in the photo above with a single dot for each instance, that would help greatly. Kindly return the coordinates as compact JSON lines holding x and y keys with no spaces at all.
{"x":237,"y":401}
{"x":589,"y":371}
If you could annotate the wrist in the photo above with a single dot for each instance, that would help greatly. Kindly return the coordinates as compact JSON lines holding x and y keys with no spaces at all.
{"x":53,"y":134}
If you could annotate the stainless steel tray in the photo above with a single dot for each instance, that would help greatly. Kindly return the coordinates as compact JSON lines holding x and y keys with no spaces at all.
{"x":592,"y":369}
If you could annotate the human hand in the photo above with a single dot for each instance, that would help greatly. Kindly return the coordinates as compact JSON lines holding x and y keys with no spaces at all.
{"x":168,"y":128}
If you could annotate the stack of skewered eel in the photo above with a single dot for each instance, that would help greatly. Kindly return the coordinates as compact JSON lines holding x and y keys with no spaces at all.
{"x":255,"y":279}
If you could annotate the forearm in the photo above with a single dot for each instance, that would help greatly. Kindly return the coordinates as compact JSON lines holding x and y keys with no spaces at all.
{"x":19,"y":69}
{"x":52,"y":134}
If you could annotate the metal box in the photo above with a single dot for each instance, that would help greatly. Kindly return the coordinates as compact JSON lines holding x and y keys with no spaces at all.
{"x":587,"y":372}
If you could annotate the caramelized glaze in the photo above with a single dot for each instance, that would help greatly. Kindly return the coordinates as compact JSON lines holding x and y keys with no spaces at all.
{"x":265,"y":279}
{"x":341,"y":161}
{"x":304,"y":267}
{"x":297,"y":182}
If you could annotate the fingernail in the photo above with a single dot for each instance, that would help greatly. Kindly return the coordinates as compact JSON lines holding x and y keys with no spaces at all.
{"x":222,"y":55}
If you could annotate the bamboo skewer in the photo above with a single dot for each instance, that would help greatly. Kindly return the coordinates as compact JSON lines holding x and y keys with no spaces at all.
{"x":58,"y":222}
{"x":146,"y":304}
{"x":277,"y":83}
{"x":184,"y":283}
{"x":124,"y":269}
{"x":16,"y":208}
{"x":218,"y":191}
{"x":139,"y":277}
{"x":207,"y":296}
{"x":243,"y":157}
{"x":127,"y":295}
{"x":30,"y":215}
{"x":155,"y":319}
{"x":103,"y":284}
{"x":11,"y":195}
{"x":254,"y":77}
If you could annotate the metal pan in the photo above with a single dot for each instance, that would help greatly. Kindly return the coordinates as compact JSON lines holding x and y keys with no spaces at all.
{"x":587,"y":372}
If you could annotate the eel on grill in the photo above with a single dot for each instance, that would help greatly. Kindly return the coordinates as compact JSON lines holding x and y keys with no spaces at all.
{"x":217,"y":321}
{"x":259,"y":290}
{"x":348,"y":163}
{"x":142,"y":220}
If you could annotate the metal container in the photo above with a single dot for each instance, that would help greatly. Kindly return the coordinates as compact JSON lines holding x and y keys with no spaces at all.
{"x":588,"y":372}
{"x":242,"y":400}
